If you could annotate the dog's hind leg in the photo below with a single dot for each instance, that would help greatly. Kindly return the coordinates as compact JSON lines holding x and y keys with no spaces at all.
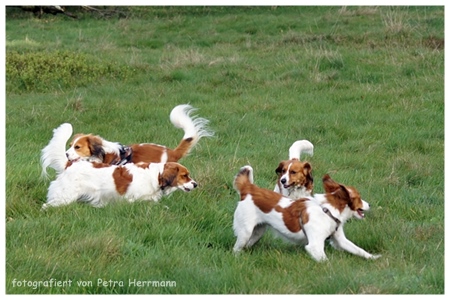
{"x":53,"y":202}
{"x":316,"y":251}
{"x":243,"y":229}
{"x":242,"y":240}
{"x":257,"y":234}
{"x":60,"y":193}
{"x":316,"y":244}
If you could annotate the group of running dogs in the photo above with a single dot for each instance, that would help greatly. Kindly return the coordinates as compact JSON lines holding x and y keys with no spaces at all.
{"x":98,"y":171}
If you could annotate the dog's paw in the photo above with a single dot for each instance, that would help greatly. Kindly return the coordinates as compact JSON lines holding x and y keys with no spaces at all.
{"x":377,"y":256}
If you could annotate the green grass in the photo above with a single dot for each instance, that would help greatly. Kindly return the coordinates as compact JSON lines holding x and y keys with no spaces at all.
{"x":364,"y":84}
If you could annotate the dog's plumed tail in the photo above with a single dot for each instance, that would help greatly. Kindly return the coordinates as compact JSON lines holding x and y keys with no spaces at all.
{"x":300,"y":147}
{"x":194,"y":128}
{"x":243,"y":178}
{"x":54,"y":154}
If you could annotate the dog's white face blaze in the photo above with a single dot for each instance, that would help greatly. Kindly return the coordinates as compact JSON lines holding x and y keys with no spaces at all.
{"x":71,"y":153}
{"x":285,"y":178}
{"x":73,"y":156}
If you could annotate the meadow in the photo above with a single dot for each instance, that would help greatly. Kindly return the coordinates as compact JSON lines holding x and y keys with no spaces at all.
{"x":364,"y":84}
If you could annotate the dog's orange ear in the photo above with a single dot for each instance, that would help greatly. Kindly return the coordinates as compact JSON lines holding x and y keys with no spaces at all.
{"x":280,"y":168}
{"x":96,"y":147}
{"x":167,"y":177}
{"x":329,"y":185}
{"x":307,"y":171}
{"x":307,"y":166}
{"x":343,"y":194}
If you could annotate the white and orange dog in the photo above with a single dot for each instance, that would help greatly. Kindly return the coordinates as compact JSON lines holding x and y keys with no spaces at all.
{"x":308,"y":221}
{"x":295,"y":178}
{"x":94,"y":148}
{"x":100,"y":183}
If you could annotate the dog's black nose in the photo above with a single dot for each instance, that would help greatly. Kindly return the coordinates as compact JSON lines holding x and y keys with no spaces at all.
{"x":283,"y":180}
{"x":67,"y":155}
{"x":194,"y":184}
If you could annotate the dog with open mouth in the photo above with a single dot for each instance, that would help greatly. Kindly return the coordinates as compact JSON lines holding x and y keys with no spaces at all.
{"x":307,"y":221}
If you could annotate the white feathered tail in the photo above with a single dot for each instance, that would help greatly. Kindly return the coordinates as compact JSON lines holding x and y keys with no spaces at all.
{"x":300,"y":147}
{"x":54,"y":154}
{"x":194,"y":127}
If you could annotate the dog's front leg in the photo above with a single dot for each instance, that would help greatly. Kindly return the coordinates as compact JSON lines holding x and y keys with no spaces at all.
{"x":316,"y":243}
{"x":317,"y":251}
{"x":340,"y":242}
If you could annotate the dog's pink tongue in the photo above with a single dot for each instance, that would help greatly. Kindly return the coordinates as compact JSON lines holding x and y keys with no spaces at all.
{"x":360,"y":212}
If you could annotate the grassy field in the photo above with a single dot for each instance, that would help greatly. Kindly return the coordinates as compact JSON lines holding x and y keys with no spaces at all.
{"x":364,"y":84}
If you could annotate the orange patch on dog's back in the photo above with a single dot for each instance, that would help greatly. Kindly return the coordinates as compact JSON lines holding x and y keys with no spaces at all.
{"x":147,"y":153}
{"x":122,"y":179}
{"x":100,"y":165}
{"x":264,"y":199}
{"x":267,"y":200}
{"x":293,"y":213}
{"x":153,"y":152}
{"x":143,"y":165}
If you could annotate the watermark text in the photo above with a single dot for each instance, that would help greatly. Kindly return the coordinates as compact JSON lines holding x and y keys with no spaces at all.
{"x":100,"y":282}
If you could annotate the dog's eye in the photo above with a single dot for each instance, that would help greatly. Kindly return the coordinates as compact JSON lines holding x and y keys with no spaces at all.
{"x":77,"y":147}
{"x":293,"y":172}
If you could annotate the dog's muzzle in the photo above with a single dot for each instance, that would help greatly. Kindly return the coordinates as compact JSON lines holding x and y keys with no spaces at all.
{"x":191,"y":186}
{"x":284,"y":182}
